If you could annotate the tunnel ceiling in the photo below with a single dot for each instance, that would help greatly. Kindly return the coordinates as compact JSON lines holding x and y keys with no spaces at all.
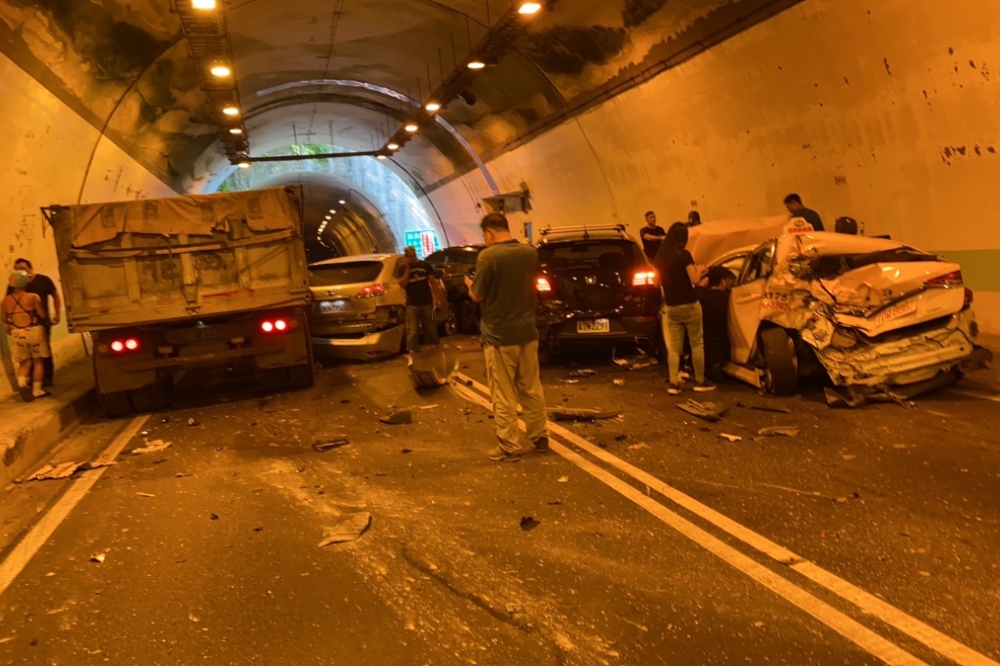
{"x":124,"y":66}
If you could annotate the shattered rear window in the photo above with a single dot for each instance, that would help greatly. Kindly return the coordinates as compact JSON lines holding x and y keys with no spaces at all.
{"x":830,"y":267}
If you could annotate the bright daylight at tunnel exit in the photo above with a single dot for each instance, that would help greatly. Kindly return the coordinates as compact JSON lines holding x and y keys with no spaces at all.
{"x":570,"y":332}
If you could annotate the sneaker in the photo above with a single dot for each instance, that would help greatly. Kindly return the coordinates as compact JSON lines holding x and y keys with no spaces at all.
{"x":26,"y":393}
{"x":704,"y":386}
{"x":674,"y":389}
{"x":542,"y":444}
{"x":499,"y":455}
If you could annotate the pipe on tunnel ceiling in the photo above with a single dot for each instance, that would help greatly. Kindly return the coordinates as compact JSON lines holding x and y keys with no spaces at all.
{"x":301,"y":158}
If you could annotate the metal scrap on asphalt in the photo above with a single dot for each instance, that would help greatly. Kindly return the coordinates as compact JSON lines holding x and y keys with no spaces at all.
{"x":779,"y":431}
{"x":638,"y":362}
{"x":348,"y":528}
{"x":64,"y":470}
{"x":155,"y":446}
{"x":581,"y":414}
{"x":709,"y":411}
{"x":323,"y":446}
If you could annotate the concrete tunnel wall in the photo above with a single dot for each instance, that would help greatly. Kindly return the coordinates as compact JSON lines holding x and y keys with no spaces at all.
{"x":888,"y":112}
{"x":885,"y":111}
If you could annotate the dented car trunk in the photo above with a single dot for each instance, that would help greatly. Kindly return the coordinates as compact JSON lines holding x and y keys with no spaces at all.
{"x":875,"y":312}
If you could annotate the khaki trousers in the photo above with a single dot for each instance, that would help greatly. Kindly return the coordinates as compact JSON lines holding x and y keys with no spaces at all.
{"x":513,"y":377}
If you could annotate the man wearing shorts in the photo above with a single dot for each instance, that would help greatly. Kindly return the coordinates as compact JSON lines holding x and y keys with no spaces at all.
{"x":23,"y":314}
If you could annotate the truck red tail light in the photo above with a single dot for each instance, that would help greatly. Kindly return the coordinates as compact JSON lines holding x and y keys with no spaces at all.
{"x":275,"y":326}
{"x":543,"y":286}
{"x":122,"y":346}
{"x":373,"y":291}
{"x":949,"y":280}
{"x":644,"y":279}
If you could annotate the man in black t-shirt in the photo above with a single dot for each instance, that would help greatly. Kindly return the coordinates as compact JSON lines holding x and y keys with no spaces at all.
{"x":419,"y":281}
{"x":793,"y":203}
{"x":45,"y":288}
{"x":714,"y":301}
{"x":652,"y":236}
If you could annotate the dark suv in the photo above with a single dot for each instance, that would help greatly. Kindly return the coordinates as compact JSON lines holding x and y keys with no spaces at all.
{"x":452,"y":264}
{"x":596,"y":285}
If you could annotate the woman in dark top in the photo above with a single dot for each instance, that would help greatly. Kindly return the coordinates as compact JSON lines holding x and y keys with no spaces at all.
{"x":683,"y":313}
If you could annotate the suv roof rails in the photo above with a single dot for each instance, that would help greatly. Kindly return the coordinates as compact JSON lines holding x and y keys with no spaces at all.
{"x":620,"y":228}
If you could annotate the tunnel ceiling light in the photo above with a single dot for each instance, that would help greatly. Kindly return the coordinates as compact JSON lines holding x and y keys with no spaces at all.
{"x":411,"y":127}
{"x":329,"y":217}
{"x":391,"y":146}
{"x":235,"y":131}
{"x":529,"y":8}
{"x":203,"y":4}
{"x":343,"y":203}
{"x":244,"y":165}
{"x":221,"y":71}
{"x":382,"y":157}
{"x":477,"y":64}
{"x":433,"y":106}
{"x":231,"y":111}
{"x":333,"y":211}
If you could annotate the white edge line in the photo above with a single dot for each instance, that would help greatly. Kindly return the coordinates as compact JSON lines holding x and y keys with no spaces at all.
{"x":869,"y":603}
{"x":968,"y":393}
{"x":33,"y":541}
{"x":850,"y":629}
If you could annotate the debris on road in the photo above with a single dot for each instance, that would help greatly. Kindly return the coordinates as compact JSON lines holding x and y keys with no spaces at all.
{"x":428,"y":407}
{"x":570,"y":381}
{"x":348,"y":528}
{"x":64,"y":470}
{"x":581,"y":374}
{"x":709,"y":411}
{"x":563,"y":479}
{"x":323,"y":447}
{"x":731,"y":438}
{"x":581,"y":415}
{"x":155,"y":446}
{"x":640,"y":361}
{"x":398,"y":418}
{"x":98,"y":557}
{"x":183,"y":475}
{"x":193,"y":423}
{"x":777,"y":409}
{"x":214,"y":516}
{"x":528,"y":523}
{"x":144,"y":495}
{"x":778,"y":431}
{"x":619,"y":383}
{"x":434,"y":368}
{"x":637,"y":447}
{"x":405,"y":451}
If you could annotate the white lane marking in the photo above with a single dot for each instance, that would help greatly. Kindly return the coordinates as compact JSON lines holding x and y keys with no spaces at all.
{"x":968,"y":393}
{"x":850,"y":629}
{"x":43,"y":529}
{"x":911,"y":626}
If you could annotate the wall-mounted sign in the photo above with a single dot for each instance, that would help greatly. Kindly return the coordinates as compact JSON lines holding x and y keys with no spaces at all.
{"x":426,"y":242}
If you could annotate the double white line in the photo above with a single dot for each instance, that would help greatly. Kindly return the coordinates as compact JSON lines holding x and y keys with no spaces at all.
{"x":562,"y":442}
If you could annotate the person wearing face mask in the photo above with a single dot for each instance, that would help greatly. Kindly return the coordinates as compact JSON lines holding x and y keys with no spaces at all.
{"x":504,"y":288}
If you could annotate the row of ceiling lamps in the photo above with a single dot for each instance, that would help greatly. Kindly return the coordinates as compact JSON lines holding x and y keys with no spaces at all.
{"x":474,"y":63}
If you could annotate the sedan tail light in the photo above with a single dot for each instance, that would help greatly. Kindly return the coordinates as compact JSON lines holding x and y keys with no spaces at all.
{"x":373,"y":291}
{"x":949,"y":280}
{"x":969,"y":296}
{"x":543,"y":286}
{"x":644,"y":279}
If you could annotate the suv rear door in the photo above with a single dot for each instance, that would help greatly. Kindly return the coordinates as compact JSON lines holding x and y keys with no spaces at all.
{"x":592,"y":275}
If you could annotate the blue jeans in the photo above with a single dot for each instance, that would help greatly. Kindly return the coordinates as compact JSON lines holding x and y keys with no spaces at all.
{"x":676,"y":320}
{"x":417,"y":317}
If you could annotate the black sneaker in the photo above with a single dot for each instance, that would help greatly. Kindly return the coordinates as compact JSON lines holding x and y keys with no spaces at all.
{"x":27,"y":394}
{"x":542,"y":444}
{"x":704,"y":386}
{"x":674,"y":389}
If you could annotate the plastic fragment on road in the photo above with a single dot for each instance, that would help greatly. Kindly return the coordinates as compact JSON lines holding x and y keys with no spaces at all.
{"x":529,"y":523}
{"x":637,"y":447}
{"x":731,"y":438}
{"x":348,"y":528}
{"x":638,"y":362}
{"x":322,"y":447}
{"x":619,"y":383}
{"x":193,"y":422}
{"x":581,"y":374}
{"x":709,"y":411}
{"x":144,"y":495}
{"x":778,"y":431}
{"x":398,"y":418}
{"x":563,"y":479}
{"x":64,"y":470}
{"x":98,"y":557}
{"x":434,"y":368}
{"x":155,"y":446}
{"x":581,"y":415}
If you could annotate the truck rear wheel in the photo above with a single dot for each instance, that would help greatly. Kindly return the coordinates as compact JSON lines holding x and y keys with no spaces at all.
{"x":114,"y":405}
{"x":781,"y":368}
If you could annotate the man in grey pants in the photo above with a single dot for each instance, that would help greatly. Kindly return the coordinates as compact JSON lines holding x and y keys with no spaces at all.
{"x":418,"y":281}
{"x":504,"y":287}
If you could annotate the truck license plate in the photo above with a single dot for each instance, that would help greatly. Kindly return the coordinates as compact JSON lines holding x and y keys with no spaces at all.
{"x":595,"y":326}
{"x":333,"y":307}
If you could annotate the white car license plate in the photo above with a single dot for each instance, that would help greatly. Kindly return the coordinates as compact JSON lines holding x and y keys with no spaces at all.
{"x":333,"y":307}
{"x":595,"y":326}
{"x":895,"y":312}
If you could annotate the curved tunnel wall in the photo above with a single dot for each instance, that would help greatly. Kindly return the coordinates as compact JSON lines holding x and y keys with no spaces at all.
{"x":886,"y":111}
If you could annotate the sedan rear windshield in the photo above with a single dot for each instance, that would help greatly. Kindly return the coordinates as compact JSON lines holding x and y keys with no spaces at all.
{"x":607,"y":254}
{"x":351,"y":273}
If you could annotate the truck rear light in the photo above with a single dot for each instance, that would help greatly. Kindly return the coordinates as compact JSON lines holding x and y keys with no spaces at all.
{"x":543,"y":286}
{"x":280,"y":325}
{"x":644,"y":279}
{"x":118,"y":346}
{"x":373,"y":291}
{"x":131,"y":344}
{"x":277,"y":325}
{"x":121,"y":346}
{"x":949,"y":280}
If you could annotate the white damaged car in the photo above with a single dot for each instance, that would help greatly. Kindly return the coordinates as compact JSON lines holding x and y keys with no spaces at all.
{"x":876,"y":315}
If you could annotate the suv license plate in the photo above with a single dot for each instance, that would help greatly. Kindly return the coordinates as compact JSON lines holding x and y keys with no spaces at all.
{"x":595,"y":326}
{"x":332,"y":307}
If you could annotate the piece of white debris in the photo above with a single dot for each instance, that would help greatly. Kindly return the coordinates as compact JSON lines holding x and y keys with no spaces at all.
{"x":731,"y":438}
{"x":563,"y":479}
{"x":98,"y":557}
{"x":155,"y":446}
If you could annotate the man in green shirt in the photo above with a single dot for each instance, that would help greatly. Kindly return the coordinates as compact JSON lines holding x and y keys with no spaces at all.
{"x":504,"y":287}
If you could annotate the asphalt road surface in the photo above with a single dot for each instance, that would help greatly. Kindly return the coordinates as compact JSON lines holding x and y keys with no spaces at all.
{"x":870,"y":536}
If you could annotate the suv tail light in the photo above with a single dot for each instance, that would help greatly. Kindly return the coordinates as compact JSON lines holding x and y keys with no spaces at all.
{"x":543,"y":286}
{"x":644,"y":279}
{"x":949,"y":280}
{"x":373,"y":291}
